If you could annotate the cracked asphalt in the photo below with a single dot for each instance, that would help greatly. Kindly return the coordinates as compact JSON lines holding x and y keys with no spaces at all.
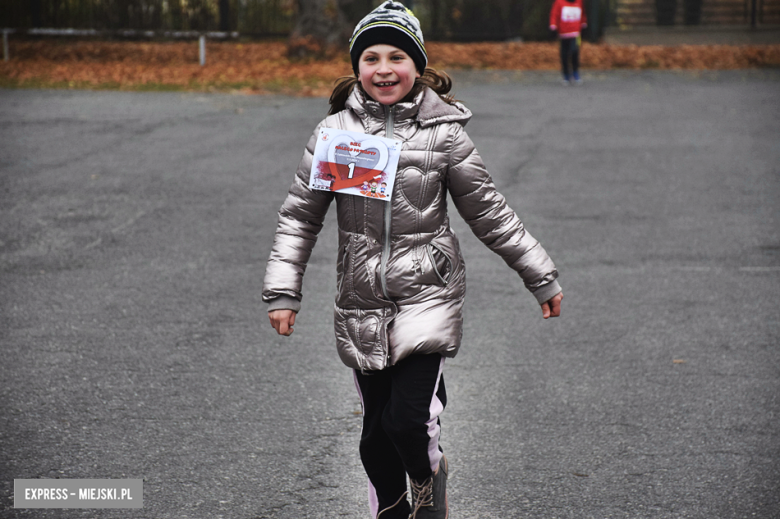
{"x":134,"y":229}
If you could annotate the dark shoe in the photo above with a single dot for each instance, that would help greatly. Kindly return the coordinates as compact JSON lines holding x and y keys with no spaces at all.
{"x":429,"y":496}
{"x":396,"y":510}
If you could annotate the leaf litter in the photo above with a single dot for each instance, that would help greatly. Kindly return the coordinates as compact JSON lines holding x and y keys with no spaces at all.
{"x":263,"y":67}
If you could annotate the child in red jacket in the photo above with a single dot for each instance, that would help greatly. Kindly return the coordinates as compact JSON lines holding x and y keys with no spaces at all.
{"x":568,"y":18}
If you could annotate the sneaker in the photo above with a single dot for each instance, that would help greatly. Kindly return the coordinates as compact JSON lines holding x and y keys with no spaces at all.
{"x":429,"y":497}
{"x":577,"y":80}
{"x":565,"y":82}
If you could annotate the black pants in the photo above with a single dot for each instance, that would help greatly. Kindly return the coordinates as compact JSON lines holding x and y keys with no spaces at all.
{"x":401,"y":406}
{"x":570,"y":53}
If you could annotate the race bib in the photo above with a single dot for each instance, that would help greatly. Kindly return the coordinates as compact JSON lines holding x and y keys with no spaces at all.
{"x":571,"y":14}
{"x":354,"y":163}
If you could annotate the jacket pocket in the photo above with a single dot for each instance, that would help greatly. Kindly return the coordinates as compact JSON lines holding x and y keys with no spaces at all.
{"x":343,"y":263}
{"x":361,"y":336}
{"x":441,"y":262}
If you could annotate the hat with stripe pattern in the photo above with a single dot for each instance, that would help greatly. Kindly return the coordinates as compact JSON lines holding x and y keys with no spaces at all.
{"x":392,"y":24}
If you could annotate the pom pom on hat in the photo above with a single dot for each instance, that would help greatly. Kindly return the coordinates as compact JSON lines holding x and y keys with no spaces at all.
{"x":392,"y":24}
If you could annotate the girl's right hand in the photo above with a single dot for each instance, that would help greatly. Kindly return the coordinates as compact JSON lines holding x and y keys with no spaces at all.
{"x":552,"y":308}
{"x":282,"y":321}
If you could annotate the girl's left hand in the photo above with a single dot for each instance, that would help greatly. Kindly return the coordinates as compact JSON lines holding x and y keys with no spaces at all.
{"x":282,"y":321}
{"x":552,"y":308}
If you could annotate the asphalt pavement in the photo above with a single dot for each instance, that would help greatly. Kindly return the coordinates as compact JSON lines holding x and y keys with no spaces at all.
{"x":134,"y":229}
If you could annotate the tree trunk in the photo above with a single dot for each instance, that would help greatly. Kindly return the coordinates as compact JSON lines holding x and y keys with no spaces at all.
{"x":321,"y":30}
{"x":224,"y":15}
{"x":36,"y":13}
{"x":665,"y":11}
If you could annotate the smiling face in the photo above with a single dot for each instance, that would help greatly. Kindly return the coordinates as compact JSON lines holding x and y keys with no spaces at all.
{"x":386,"y":73}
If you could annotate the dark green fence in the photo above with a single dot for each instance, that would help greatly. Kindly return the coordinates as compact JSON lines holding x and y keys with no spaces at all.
{"x":694,"y":12}
{"x":251,"y":17}
{"x":458,"y":20}
{"x":461,"y":20}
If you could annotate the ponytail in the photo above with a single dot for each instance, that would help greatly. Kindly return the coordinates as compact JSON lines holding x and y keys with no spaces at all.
{"x":437,"y":81}
{"x":341,"y":92}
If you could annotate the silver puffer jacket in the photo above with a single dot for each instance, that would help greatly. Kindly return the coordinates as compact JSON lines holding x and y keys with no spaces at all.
{"x":400,"y":273}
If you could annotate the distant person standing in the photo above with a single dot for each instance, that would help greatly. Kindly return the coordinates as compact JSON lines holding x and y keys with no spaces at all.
{"x":568,"y":19}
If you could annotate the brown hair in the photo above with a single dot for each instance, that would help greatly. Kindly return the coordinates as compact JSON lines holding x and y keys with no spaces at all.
{"x":438,"y":81}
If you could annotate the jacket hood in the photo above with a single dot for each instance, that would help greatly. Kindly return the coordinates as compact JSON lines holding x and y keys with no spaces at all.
{"x":427,"y":108}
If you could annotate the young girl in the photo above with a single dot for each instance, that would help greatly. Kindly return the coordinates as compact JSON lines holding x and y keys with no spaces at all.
{"x":400,"y":273}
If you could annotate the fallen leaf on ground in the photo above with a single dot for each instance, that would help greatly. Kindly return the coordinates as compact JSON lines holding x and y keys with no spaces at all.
{"x":261,"y":67}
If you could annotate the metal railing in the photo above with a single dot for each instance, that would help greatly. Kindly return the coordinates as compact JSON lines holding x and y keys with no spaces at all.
{"x":440,"y":19}
{"x":694,"y":12}
{"x":124,"y":33}
{"x":456,"y":20}
{"x":251,"y":17}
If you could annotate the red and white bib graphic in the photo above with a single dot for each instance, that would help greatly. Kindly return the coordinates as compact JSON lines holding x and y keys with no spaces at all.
{"x":571,"y":14}
{"x":354,"y":163}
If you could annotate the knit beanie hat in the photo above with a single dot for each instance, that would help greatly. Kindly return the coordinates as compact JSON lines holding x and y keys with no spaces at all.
{"x":392,"y":24}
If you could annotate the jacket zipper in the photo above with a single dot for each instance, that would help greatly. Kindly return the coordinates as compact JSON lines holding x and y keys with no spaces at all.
{"x":429,"y":249}
{"x":389,"y":131}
